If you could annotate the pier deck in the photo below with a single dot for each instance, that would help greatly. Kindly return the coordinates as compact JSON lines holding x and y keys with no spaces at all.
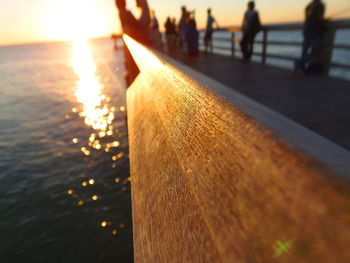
{"x":320,"y":103}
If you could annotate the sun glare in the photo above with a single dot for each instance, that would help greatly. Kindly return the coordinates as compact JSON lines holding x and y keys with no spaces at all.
{"x":73,"y":19}
{"x":89,"y":92}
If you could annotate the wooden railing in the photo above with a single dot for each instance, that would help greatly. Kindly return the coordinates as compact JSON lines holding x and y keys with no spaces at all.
{"x":217,"y":177}
{"x":329,"y":42}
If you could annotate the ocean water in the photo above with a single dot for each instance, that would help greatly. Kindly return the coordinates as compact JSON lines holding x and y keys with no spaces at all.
{"x":339,"y":55}
{"x":64,"y":167}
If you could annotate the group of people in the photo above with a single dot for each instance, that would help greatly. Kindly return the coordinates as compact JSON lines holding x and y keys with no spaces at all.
{"x":145,"y":29}
{"x":185,"y":36}
{"x":313,"y":32}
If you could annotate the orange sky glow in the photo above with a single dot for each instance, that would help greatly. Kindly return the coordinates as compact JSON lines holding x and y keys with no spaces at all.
{"x":47,"y":20}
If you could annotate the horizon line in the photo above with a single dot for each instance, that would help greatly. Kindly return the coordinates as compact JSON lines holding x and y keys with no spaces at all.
{"x":105,"y":36}
{"x":49,"y":41}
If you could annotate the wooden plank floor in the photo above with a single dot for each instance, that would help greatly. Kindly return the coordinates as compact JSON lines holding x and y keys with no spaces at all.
{"x":319,"y":103}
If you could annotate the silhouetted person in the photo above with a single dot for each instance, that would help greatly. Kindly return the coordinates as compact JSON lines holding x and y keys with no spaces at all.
{"x":183,"y":25}
{"x":154,"y":31}
{"x":145,"y":17}
{"x":192,"y":37}
{"x":154,"y":21}
{"x":176,"y":32}
{"x":170,"y":33}
{"x":168,"y":26}
{"x":130,"y":25}
{"x":184,"y":20}
{"x":251,"y":26}
{"x":314,"y":28}
{"x":209,"y":30}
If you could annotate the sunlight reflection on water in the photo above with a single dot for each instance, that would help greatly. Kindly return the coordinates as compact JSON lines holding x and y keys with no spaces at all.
{"x":59,"y":99}
{"x":89,"y":91}
{"x":98,"y":113}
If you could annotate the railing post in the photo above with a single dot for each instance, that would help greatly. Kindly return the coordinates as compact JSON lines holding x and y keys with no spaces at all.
{"x":233,"y":45}
{"x":327,"y":50}
{"x":264,"y":47}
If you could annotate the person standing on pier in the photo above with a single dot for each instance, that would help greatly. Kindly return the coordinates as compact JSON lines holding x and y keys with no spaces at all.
{"x":250,"y":27}
{"x":134,"y":28}
{"x":130,"y":25}
{"x":154,"y":31}
{"x":314,"y":29}
{"x":183,"y":26}
{"x":192,"y":38}
{"x":145,"y":17}
{"x":171,"y":35}
{"x":209,"y":30}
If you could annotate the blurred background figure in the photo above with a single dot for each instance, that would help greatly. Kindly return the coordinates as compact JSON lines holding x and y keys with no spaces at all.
{"x":171,"y":35}
{"x":135,"y":29}
{"x":314,"y":29}
{"x":209,"y":30}
{"x":192,"y":38}
{"x":149,"y":23}
{"x":250,"y":27}
{"x":154,"y":21}
{"x":130,"y":25}
{"x":154,"y":31}
{"x":183,"y":24}
{"x":145,"y":18}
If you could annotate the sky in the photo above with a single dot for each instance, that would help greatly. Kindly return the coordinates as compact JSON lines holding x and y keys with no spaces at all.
{"x":44,"y":20}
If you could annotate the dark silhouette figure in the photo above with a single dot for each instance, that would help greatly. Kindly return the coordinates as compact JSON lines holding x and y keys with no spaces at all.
{"x":185,"y":17}
{"x":168,"y":26}
{"x":183,"y":26}
{"x":192,"y":37}
{"x":132,"y":27}
{"x":314,"y":29}
{"x":154,"y":31}
{"x":145,"y":16}
{"x":209,"y":30}
{"x":251,"y":26}
{"x":171,"y":35}
{"x":154,"y":21}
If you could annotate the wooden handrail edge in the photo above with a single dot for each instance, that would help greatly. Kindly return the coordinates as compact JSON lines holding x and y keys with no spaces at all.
{"x":334,"y":157}
{"x":217,"y":177}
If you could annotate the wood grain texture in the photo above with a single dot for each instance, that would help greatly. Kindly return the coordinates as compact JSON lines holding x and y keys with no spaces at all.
{"x":218,"y":181}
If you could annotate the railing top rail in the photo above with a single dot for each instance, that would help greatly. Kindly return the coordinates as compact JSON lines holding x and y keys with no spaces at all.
{"x":340,"y":24}
{"x":210,"y":167}
{"x":333,"y":24}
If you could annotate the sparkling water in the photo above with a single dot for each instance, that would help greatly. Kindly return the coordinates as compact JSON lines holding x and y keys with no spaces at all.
{"x":64,"y":167}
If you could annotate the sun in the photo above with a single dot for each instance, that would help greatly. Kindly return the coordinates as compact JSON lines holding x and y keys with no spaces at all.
{"x":73,"y":19}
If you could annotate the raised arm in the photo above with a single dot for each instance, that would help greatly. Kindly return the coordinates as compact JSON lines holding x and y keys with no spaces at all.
{"x":145,"y":18}
{"x":216,"y":23}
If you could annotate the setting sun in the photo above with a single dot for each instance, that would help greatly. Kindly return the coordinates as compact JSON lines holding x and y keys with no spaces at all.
{"x":70,"y":20}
